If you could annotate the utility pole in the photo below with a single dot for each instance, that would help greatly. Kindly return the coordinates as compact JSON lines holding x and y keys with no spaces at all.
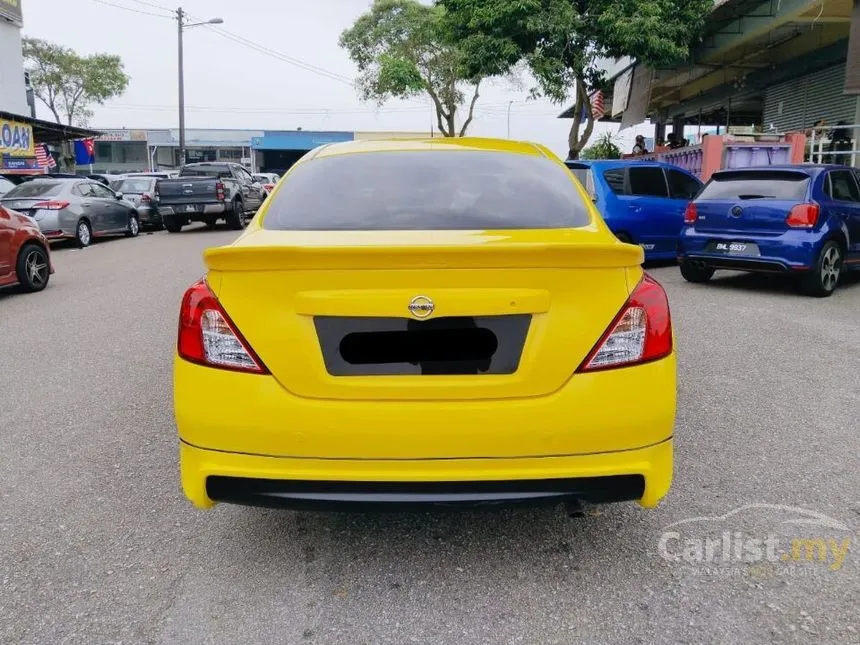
{"x":180,"y":18}
{"x":510,"y":103}
{"x":181,"y":26}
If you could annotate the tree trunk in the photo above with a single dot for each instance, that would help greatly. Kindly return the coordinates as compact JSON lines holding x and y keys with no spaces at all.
{"x":67,"y":157}
{"x":573,"y":136}
{"x":471,"y":111}
{"x":575,"y":142}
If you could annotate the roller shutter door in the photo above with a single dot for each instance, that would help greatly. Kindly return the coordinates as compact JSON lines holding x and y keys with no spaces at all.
{"x":852,"y":75}
{"x":800,"y":102}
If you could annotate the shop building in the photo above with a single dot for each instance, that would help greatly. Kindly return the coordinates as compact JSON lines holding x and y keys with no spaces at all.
{"x":20,"y":131}
{"x":778,"y":65}
{"x":129,"y":150}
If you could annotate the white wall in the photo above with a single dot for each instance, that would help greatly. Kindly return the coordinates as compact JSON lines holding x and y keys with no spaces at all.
{"x":13,"y":95}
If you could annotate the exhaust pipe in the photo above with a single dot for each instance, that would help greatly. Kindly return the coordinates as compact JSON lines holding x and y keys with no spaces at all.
{"x":574,"y":508}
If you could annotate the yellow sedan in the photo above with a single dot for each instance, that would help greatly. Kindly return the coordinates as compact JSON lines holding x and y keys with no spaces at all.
{"x":412,"y":323}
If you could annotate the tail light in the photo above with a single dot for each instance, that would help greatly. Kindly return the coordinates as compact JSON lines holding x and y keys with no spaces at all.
{"x":145,"y":199}
{"x":640,"y":333}
{"x":691,"y":214}
{"x":219,"y":191}
{"x":208,"y":337}
{"x":50,"y":206}
{"x":803,"y":216}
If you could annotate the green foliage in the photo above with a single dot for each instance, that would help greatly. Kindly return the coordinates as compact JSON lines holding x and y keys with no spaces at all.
{"x":561,"y":40}
{"x":68,"y":83}
{"x":403,"y":49}
{"x":603,"y":148}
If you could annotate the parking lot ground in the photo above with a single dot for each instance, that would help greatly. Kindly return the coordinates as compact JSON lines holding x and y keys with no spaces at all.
{"x":97,"y":544}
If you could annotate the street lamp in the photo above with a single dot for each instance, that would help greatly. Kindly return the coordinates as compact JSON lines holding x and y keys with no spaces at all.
{"x":182,"y":26}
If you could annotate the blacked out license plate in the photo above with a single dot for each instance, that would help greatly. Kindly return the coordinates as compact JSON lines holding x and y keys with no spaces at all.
{"x":734,"y":248}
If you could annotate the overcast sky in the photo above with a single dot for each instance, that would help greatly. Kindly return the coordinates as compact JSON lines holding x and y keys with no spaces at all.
{"x":232,"y":85}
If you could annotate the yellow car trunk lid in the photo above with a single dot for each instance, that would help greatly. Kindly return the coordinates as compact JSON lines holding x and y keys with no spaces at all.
{"x":422,"y":315}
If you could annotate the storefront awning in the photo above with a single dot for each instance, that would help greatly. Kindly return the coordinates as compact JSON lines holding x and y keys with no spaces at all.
{"x":50,"y":132}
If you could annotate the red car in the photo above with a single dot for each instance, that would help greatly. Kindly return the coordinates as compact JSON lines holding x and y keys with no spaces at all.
{"x":24,"y":256}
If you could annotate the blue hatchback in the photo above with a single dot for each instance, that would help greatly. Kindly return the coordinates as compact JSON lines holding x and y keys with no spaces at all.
{"x":643,"y":202}
{"x":801,"y":219}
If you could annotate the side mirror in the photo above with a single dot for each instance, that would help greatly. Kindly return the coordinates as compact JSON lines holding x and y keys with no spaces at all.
{"x":119,"y":195}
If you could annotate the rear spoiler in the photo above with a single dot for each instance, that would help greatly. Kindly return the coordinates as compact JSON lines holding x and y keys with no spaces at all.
{"x":512,"y":255}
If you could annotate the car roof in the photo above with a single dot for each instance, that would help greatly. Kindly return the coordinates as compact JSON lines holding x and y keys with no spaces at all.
{"x":806,"y":168}
{"x":438,"y":144}
{"x":618,"y":163}
{"x":62,"y":178}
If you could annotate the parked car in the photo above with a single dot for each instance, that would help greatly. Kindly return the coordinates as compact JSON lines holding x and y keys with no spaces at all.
{"x":267,"y":180}
{"x":379,"y":364}
{"x":106,"y":179}
{"x":25,"y":259}
{"x":5,"y":186}
{"x":139,"y":190}
{"x":642,"y":202}
{"x":797,"y":219}
{"x":158,"y":174}
{"x":207,"y":192}
{"x":77,"y":209}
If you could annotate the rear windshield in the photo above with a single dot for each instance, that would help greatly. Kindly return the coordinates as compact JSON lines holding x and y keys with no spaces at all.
{"x":438,"y":190}
{"x":580,"y":171}
{"x":768,"y":184}
{"x":218,"y":172}
{"x":136,"y":185}
{"x":35,"y":188}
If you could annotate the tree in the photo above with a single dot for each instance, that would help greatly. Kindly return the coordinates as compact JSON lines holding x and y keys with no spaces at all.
{"x":561,"y":40}
{"x":69,"y":83}
{"x":603,"y":148}
{"x":402,"y":51}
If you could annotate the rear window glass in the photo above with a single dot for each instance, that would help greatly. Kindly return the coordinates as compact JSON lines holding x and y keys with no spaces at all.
{"x":136,"y":185}
{"x":218,"y":172}
{"x":438,"y":190}
{"x":35,"y":188}
{"x":756,"y":185}
{"x":579,"y":170}
{"x":615,"y":179}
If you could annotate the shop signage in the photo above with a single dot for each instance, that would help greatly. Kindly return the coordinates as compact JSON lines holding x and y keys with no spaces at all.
{"x":123,"y":135}
{"x":18,"y":163}
{"x":16,"y":139}
{"x":11,"y":10}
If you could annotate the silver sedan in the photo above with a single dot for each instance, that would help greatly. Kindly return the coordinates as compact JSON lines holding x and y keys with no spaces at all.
{"x":78,"y":209}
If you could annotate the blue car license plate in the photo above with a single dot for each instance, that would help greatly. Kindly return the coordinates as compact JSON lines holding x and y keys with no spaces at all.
{"x":733,"y":248}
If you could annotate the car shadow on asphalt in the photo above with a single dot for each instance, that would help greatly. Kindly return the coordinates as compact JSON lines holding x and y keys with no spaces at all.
{"x":773,"y":282}
{"x":454,"y":542}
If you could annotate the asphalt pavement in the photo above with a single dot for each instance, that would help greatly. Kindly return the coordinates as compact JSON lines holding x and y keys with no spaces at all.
{"x":98,"y":545}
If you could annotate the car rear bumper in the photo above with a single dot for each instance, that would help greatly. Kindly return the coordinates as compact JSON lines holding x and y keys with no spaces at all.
{"x":757,"y":265}
{"x":789,"y":252}
{"x":210,"y":476}
{"x":201,"y":209}
{"x":148,"y":215}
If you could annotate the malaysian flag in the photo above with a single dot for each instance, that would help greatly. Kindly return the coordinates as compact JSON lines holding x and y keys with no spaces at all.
{"x":43,"y":157}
